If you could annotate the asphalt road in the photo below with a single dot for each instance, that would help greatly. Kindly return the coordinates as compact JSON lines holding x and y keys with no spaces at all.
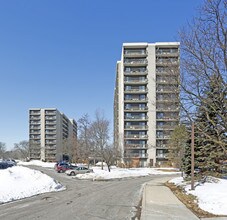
{"x":82,"y":200}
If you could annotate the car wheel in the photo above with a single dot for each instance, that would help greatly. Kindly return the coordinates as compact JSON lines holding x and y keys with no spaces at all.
{"x":61,"y":171}
{"x":72,"y":174}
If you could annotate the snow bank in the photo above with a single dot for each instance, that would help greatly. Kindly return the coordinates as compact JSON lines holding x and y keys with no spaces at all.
{"x":212,"y":195}
{"x":20,"y":182}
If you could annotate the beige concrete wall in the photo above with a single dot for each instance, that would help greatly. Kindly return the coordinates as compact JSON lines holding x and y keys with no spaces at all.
{"x":42,"y":133}
{"x":121,"y":104}
{"x":151,"y":103}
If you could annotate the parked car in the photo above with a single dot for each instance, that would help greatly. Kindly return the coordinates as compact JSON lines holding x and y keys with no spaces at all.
{"x":11,"y":162}
{"x":3,"y":165}
{"x":78,"y":170}
{"x":63,"y":166}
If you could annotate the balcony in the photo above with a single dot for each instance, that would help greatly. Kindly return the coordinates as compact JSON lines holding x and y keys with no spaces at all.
{"x":165,"y":127}
{"x":136,"y":73}
{"x":136,"y":127}
{"x":35,"y":137}
{"x":50,"y":127}
{"x":167,"y":81}
{"x":135,"y":53}
{"x":34,"y":112}
{"x":136,"y":146}
{"x":136,"y":136}
{"x":168,"y":119}
{"x":167,"y":62}
{"x":136,"y":91}
{"x":167,"y":53}
{"x":35,"y":122}
{"x":34,"y":131}
{"x":50,"y":122}
{"x":135,"y":81}
{"x":136,"y":155}
{"x":50,"y":117}
{"x":163,"y":146}
{"x":50,"y":112}
{"x":35,"y":118}
{"x":50,"y":142}
{"x":167,"y":109}
{"x":166,"y":100}
{"x":50,"y":136}
{"x":136,"y":100}
{"x":136,"y":109}
{"x":167,"y":89}
{"x":135,"y":62}
{"x":51,"y":132}
{"x":135,"y":118}
{"x":162,"y":156}
{"x":34,"y":127}
{"x":163,"y":137}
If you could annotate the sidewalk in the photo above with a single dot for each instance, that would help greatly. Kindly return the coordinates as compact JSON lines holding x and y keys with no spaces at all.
{"x":159,"y":203}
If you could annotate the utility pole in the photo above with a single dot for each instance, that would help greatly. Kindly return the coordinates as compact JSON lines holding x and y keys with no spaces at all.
{"x":192,"y":157}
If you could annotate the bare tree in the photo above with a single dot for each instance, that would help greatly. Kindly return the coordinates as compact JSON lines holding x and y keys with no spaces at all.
{"x":204,"y":62}
{"x":100,"y":134}
{"x":23,"y":149}
{"x":2,"y":149}
{"x":84,"y":141}
{"x":111,"y":155}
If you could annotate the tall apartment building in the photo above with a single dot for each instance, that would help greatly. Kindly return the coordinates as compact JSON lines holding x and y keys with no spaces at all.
{"x":51,"y":134}
{"x":146,"y":101}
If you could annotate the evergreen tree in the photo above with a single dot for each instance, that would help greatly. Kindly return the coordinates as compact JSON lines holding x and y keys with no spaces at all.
{"x":210,"y":130}
{"x":177,"y":144}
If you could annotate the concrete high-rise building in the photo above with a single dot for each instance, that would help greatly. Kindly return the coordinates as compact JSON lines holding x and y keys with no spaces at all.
{"x":146,"y":101}
{"x":52,"y":136}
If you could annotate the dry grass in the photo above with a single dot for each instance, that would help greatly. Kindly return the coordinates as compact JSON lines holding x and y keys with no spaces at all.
{"x":189,"y":201}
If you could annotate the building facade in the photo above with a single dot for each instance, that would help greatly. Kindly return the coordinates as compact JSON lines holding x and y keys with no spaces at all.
{"x":146,"y":101}
{"x":52,"y":136}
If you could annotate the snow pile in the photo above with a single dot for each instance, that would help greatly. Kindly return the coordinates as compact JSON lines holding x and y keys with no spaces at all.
{"x":212,"y":195}
{"x":118,"y":173}
{"x":37,"y":163}
{"x":20,"y":182}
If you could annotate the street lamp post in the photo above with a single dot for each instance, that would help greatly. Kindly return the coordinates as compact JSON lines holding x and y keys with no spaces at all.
{"x":192,"y":157}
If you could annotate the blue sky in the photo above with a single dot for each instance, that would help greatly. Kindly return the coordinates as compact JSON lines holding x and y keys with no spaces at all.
{"x":63,"y":54}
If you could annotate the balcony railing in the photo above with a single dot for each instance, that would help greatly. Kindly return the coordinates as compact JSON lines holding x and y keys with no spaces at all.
{"x":168,"y":119}
{"x":34,"y":118}
{"x":161,"y":156}
{"x":50,"y":112}
{"x":135,"y":61}
{"x":167,"y":62}
{"x":34,"y":112}
{"x":136,"y":90}
{"x":135,"y":52}
{"x":136,"y":118}
{"x":135,"y":81}
{"x":136,"y":136}
{"x":136,"y":127}
{"x":136,"y":99}
{"x":136,"y":155}
{"x":164,"y":127}
{"x":136,"y":108}
{"x":136,"y":146}
{"x":136,"y":72}
{"x":162,"y":136}
{"x":50,"y":118}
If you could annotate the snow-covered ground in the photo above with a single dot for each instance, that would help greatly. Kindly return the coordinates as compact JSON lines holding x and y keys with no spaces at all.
{"x":20,"y":182}
{"x":212,"y":195}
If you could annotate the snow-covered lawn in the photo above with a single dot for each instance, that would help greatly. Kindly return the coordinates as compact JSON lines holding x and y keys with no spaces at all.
{"x":212,"y":195}
{"x":20,"y":182}
{"x":117,"y":173}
